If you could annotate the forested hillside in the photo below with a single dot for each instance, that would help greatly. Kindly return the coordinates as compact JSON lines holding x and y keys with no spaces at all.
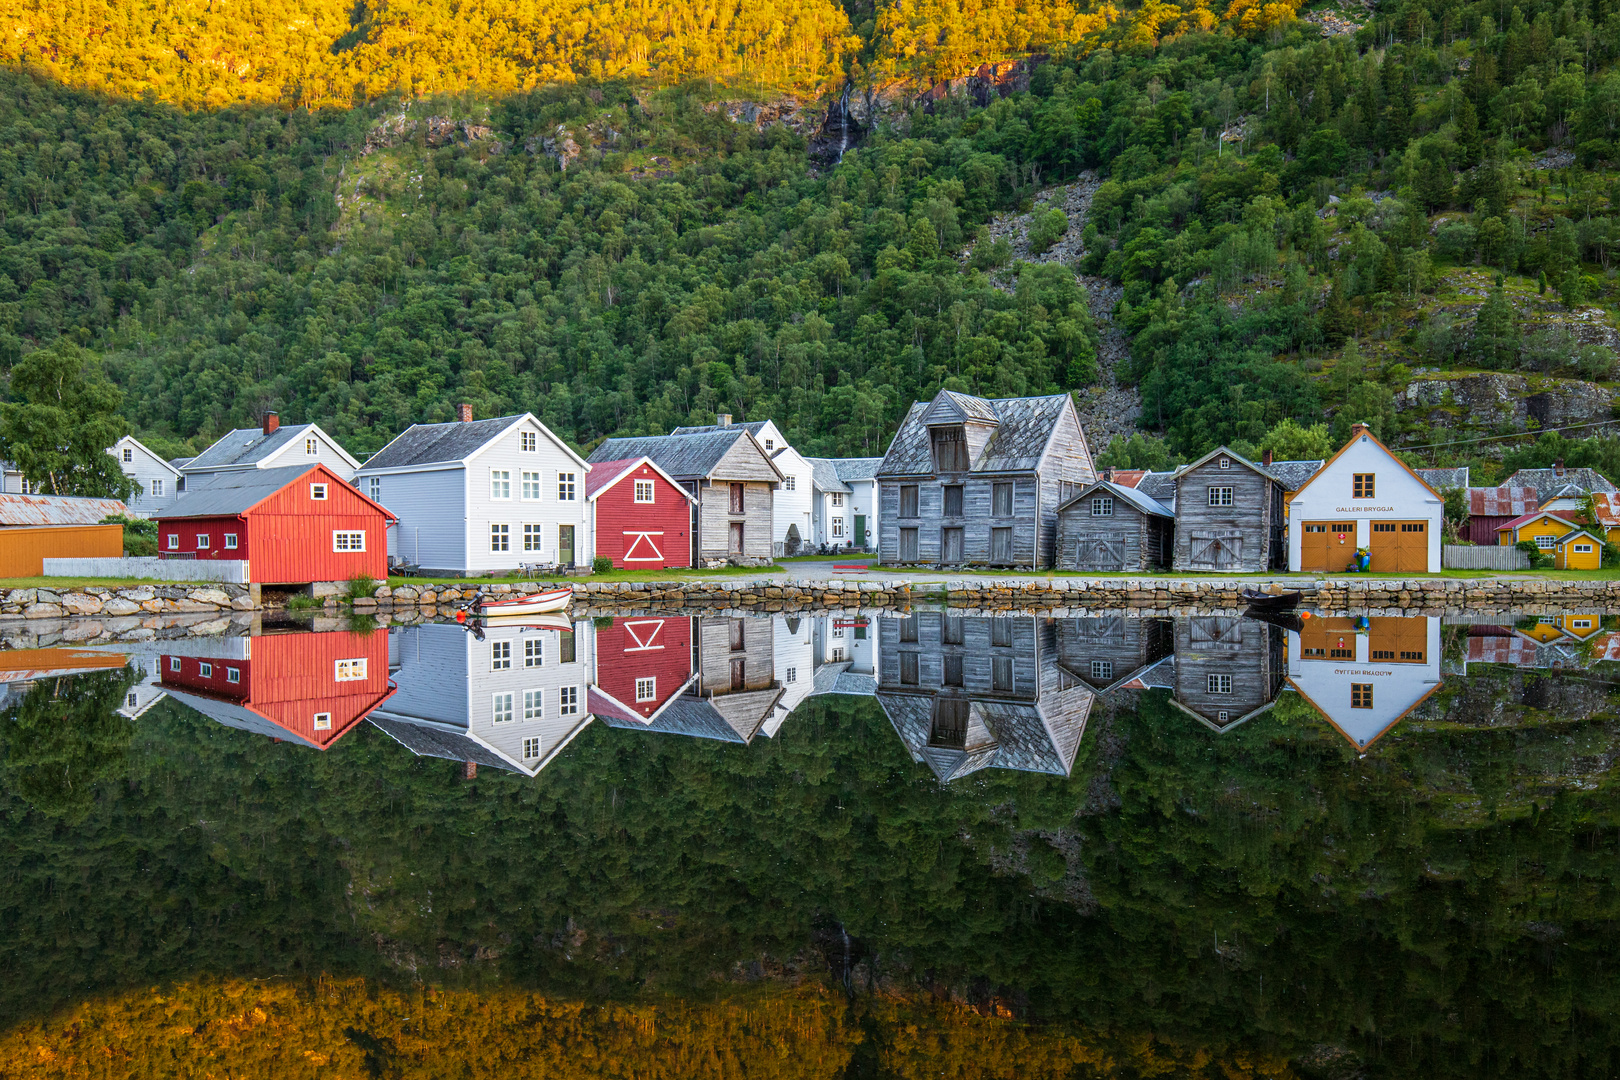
{"x":1306,"y":230}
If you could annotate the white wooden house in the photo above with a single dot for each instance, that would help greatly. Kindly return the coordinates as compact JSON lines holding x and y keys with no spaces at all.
{"x":1365,"y":497}
{"x":159,"y":481}
{"x":1364,"y":678}
{"x":270,"y":446}
{"x":845,"y":509}
{"x":791,"y":501}
{"x":475,"y":496}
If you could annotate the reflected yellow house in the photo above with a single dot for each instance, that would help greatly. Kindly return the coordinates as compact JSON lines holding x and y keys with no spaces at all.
{"x":1576,"y":627}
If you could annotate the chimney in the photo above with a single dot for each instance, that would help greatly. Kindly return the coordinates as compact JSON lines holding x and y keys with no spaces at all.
{"x":1358,"y":429}
{"x":1265,"y":458}
{"x":723,"y":419}
{"x":1558,"y":467}
{"x":1108,"y":475}
{"x":271,"y":422}
{"x":469,"y":770}
{"x":464,"y":413}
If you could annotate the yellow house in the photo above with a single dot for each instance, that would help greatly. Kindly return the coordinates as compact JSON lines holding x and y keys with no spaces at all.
{"x":1578,"y":550}
{"x":1543,"y":528}
{"x":1579,"y":626}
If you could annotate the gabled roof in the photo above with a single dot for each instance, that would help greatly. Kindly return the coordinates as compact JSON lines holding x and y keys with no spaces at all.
{"x":1502,"y":501}
{"x":245,"y":448}
{"x":1578,"y":533}
{"x":950,"y":407}
{"x":604,"y":474}
{"x":684,"y":457}
{"x":1546,"y":481}
{"x":1361,"y":431}
{"x":1157,"y":485}
{"x":825,"y":476}
{"x":1567,"y":516}
{"x":1293,"y":475}
{"x":451,"y":443}
{"x":238,"y":492}
{"x":1440,"y":479}
{"x":1130,"y":496}
{"x":684,"y":714}
{"x":1222,"y":451}
{"x":753,"y":427}
{"x":179,"y":463}
{"x":1126,"y":477}
{"x":1024,"y":429}
{"x":1001,"y":734}
{"x":856,"y":468}
{"x":133,"y":441}
{"x":426,"y":740}
{"x":55,"y":509}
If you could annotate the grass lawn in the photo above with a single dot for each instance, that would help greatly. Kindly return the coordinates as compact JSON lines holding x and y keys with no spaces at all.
{"x":613,"y":575}
{"x":68,"y":584}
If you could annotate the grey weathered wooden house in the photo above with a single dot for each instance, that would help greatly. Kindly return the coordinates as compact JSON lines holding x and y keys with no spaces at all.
{"x":970,"y":480}
{"x":1111,"y":527}
{"x":1228,"y":668}
{"x":730,"y":475}
{"x":967,"y":694}
{"x":1229,"y":515}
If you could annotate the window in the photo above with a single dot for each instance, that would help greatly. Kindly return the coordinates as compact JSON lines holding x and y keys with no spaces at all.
{"x":312,"y":447}
{"x":233,"y":675}
{"x":1545,"y":543}
{"x":501,"y":712}
{"x":951,"y":673}
{"x":1411,"y":526}
{"x":644,"y":491}
{"x":1583,"y":547}
{"x":1361,"y":695}
{"x":27,"y":488}
{"x":770,"y":444}
{"x":174,"y":541}
{"x":1226,"y":463}
{"x":531,"y":538}
{"x":1220,"y":496}
{"x":1001,"y":500}
{"x":950,"y":449}
{"x":737,"y":643}
{"x":790,"y":483}
{"x":792,"y":675}
{"x":950,"y":629}
{"x":500,"y":655}
{"x":1412,"y":655}
{"x":908,"y":500}
{"x":534,"y":652}
{"x":1001,"y":673}
{"x":527,"y":442}
{"x":1001,"y":632}
{"x":374,"y":487}
{"x":531,"y":748}
{"x":1383,"y":526}
{"x":500,"y":537}
{"x":1222,"y":717}
{"x":908,"y":668}
{"x":953,"y":500}
{"x":736,"y":504}
{"x":322,"y":721}
{"x":129,"y":455}
{"x":568,"y":701}
{"x":1362,"y":486}
{"x":317,"y":492}
{"x":500,"y":483}
{"x":530,"y":485}
{"x":1218,"y":684}
{"x":348,"y":541}
{"x":1582,"y":624}
{"x":837,"y":526}
{"x":565,"y":487}
{"x":1102,"y":670}
{"x":837,"y":630}
{"x":174,"y":663}
{"x":838,"y":498}
{"x":908,"y":545}
{"x":908,"y":628}
{"x":646,"y":690}
{"x":157,"y":488}
{"x":349,"y":670}
{"x":206,"y":670}
{"x":202,"y":541}
{"x":1101,"y":507}
{"x":1382,"y":654}
{"x":230,"y":541}
{"x":534,"y":704}
{"x":132,"y":700}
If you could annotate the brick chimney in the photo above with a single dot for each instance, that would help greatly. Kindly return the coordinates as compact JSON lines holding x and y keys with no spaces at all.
{"x":464,"y":413}
{"x":723,"y":419}
{"x":469,"y":770}
{"x":1558,"y":467}
{"x":1359,"y":429}
{"x":271,"y":422}
{"x":1265,"y":458}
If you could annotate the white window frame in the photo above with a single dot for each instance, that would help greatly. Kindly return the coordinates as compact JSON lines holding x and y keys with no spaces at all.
{"x":500,"y":537}
{"x":534,"y":653}
{"x":1220,"y":495}
{"x":1218,"y":684}
{"x":129,"y":455}
{"x":233,"y":675}
{"x":157,"y":488}
{"x":203,"y":540}
{"x":531,"y":538}
{"x":647,"y":689}
{"x":644,"y":491}
{"x":534,"y":705}
{"x":350,"y":670}
{"x":500,"y":656}
{"x":1102,"y":669}
{"x":312,"y":447}
{"x":568,"y":701}
{"x":174,"y":541}
{"x":528,"y":442}
{"x":175,"y":663}
{"x":374,"y":487}
{"x":348,"y":540}
{"x":837,"y":527}
{"x":529,"y":485}
{"x":1545,"y":543}
{"x":500,"y":484}
{"x":1587,"y":548}
{"x":1102,"y":506}
{"x":566,"y":487}
{"x":230,"y":541}
{"x":500,"y":707}
{"x":318,"y":492}
{"x":205,"y":669}
{"x":532,"y":748}
{"x":322,"y":721}
{"x":790,"y":483}
{"x":792,"y":675}
{"x":838,"y":498}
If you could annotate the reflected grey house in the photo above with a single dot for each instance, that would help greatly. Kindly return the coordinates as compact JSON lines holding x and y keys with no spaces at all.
{"x":968,"y":694}
{"x":736,"y":692}
{"x":1109,"y":653}
{"x":1228,"y":669}
{"x":970,"y":480}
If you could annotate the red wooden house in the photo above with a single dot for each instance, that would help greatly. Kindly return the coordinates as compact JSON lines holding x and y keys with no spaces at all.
{"x":291,"y":526}
{"x":641,"y":515}
{"x":642,"y":664}
{"x":305,"y":688}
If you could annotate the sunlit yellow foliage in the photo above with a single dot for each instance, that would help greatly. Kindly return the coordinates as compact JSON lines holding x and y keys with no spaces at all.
{"x":1155,"y":21}
{"x":1254,"y":16}
{"x":948,"y":37}
{"x":347,"y":1027}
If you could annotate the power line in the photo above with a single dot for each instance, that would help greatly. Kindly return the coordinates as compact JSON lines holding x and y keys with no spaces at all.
{"x":1513,"y":435}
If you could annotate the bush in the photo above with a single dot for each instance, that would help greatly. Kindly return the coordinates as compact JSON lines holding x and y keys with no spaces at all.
{"x":140,"y":534}
{"x":1611,"y":554}
{"x":360,"y":586}
{"x":1539,"y":559}
{"x":601,"y":565}
{"x":1046,"y":229}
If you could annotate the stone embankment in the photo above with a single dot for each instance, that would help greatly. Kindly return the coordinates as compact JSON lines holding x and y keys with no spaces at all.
{"x":129,"y":600}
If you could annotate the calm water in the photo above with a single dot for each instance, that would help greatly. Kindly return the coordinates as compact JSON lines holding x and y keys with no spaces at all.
{"x":817,"y":846}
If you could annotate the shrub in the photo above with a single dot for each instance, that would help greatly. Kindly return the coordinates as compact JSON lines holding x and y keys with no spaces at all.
{"x":1539,"y":559}
{"x":1045,"y":230}
{"x":601,"y":565}
{"x":140,"y":534}
{"x":360,"y":586}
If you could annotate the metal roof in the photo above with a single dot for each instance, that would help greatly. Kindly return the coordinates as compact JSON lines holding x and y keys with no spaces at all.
{"x":1023,"y":430}
{"x":234,"y":492}
{"x":1547,"y":481}
{"x":1144,"y":503}
{"x":684,"y":457}
{"x":438,"y":444}
{"x":824,"y":475}
{"x":56,"y":509}
{"x":1502,"y":501}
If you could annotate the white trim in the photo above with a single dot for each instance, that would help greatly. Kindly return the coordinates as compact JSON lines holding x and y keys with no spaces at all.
{"x":133,"y":441}
{"x":628,"y":469}
{"x":296,"y":442}
{"x":640,"y":535}
{"x":547,"y":432}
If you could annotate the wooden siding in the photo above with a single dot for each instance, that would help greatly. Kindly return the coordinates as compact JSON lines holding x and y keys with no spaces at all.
{"x":1124,"y":645}
{"x":643,"y":536}
{"x":432,"y":509}
{"x":976,"y":521}
{"x":1253,"y":519}
{"x":715,"y":518}
{"x":1250,"y":652}
{"x":643,"y":647}
{"x":744,"y":461}
{"x":549,"y":511}
{"x":715,"y":654}
{"x":1066,"y":464}
{"x":1131,"y":540}
{"x":975,"y":651}
{"x":24,"y":548}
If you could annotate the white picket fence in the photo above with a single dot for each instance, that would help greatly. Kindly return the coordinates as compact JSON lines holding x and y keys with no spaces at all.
{"x":1483,"y":557}
{"x":233,"y":571}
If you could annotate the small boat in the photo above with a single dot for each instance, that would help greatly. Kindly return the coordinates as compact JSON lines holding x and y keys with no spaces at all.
{"x":1281,"y":600}
{"x":561,"y":623}
{"x":540,"y":603}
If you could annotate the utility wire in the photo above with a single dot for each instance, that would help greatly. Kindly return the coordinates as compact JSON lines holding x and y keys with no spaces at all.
{"x":1513,"y":435}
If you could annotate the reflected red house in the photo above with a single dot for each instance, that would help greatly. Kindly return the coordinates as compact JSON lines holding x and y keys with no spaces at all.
{"x":306,"y":688}
{"x":642,"y":664}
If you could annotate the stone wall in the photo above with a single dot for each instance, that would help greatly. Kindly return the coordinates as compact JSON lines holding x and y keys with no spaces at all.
{"x":127,"y":600}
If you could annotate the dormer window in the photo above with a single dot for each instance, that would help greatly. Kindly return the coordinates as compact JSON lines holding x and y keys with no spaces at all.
{"x":950,"y":449}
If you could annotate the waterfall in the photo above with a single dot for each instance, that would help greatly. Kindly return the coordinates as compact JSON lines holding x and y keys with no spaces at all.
{"x":843,"y":121}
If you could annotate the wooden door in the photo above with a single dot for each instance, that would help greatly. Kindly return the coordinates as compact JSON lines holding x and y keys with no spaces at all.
{"x":735,"y":543}
{"x":1099,"y":552}
{"x":1399,"y":547}
{"x":1215,"y":551}
{"x":1327,"y":546}
{"x":1398,"y":641}
{"x":1001,"y":546}
{"x":860,"y":530}
{"x":565,"y":545}
{"x":950,"y":546}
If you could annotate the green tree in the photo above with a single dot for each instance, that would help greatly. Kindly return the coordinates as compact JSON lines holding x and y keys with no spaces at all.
{"x":1496,"y":339}
{"x":62,"y":417}
{"x":1292,"y":441}
{"x":64,"y":738}
{"x":1369,"y":403}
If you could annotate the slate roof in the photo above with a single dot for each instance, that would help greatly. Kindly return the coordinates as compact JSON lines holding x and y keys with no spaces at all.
{"x":244,"y":447}
{"x":180,"y":463}
{"x":1023,"y":429}
{"x":685,"y":457}
{"x":1130,"y":496}
{"x":973,"y":408}
{"x":233,"y":492}
{"x":55,"y":509}
{"x":1501,"y":501}
{"x":436,"y":444}
{"x":425,"y":741}
{"x":856,"y":468}
{"x":1440,"y":479}
{"x":825,"y":475}
{"x":753,"y":427}
{"x":687,"y":715}
{"x":1292,"y":474}
{"x":1547,"y":481}
{"x":1158,"y":485}
{"x":1002,"y":734}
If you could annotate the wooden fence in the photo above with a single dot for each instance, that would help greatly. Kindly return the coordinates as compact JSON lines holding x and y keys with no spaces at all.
{"x":1483,"y":557}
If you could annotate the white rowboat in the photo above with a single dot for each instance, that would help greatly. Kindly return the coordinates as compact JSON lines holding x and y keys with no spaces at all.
{"x":538,"y":603}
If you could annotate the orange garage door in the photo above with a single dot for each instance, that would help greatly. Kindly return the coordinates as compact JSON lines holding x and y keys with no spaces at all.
{"x":1400,"y":547}
{"x":1327,"y":545}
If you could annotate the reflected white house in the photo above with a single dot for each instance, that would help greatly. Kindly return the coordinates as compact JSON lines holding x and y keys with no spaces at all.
{"x":1365,"y":675}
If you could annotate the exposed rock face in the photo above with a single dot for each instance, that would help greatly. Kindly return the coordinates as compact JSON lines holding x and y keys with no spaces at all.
{"x":559,"y":146}
{"x":839,"y":133}
{"x":1504,"y":400}
{"x":439,"y":131}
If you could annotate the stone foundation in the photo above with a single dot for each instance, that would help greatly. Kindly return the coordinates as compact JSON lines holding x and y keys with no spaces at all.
{"x":127,"y":601}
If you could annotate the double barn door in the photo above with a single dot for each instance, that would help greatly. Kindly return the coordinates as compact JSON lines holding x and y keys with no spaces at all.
{"x":1099,"y":551}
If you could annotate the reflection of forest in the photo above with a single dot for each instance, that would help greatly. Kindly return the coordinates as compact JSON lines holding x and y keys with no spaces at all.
{"x":1262,"y":893}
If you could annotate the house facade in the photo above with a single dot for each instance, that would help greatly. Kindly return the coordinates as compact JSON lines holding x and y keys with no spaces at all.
{"x":1540,"y":527}
{"x":639,"y":667}
{"x":641,"y":518}
{"x":1113,"y":651}
{"x":844,"y":513}
{"x":159,"y":482}
{"x":1228,"y":669}
{"x":476,"y":496}
{"x":1364,"y":678}
{"x":291,"y":526}
{"x":270,"y":446}
{"x":1491,"y":508}
{"x":733,"y":483}
{"x":971,"y":480}
{"x":1365,"y":497}
{"x":34,"y":528}
{"x":1229,"y":515}
{"x":1108,"y":527}
{"x":791,"y":510}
